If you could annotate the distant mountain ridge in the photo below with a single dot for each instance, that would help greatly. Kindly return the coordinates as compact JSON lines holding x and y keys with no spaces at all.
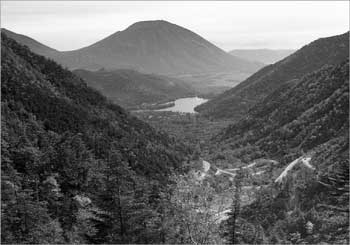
{"x":152,"y":47}
{"x":266,"y":56}
{"x":235,"y":102}
{"x":131,"y":89}
{"x":34,"y":45}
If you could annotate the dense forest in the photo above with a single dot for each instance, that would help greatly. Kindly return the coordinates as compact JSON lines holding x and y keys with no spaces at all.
{"x":301,"y":114}
{"x":307,"y":117}
{"x":75,"y":167}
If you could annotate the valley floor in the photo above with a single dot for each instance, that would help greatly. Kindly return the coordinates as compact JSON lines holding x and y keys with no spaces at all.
{"x":212,"y":174}
{"x":190,"y":128}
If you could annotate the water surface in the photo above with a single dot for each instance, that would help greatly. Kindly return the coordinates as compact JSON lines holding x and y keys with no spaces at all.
{"x":185,"y":105}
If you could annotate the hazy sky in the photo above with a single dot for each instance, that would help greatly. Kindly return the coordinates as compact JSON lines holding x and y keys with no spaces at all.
{"x":230,"y":25}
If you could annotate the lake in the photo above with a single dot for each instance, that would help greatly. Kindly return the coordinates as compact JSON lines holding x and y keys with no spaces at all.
{"x":185,"y":105}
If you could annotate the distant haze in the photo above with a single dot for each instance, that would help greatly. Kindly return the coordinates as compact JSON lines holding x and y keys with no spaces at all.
{"x":266,"y":56}
{"x":68,"y":25}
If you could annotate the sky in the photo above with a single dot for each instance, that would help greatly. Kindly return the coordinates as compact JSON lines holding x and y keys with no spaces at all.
{"x":69,"y":25}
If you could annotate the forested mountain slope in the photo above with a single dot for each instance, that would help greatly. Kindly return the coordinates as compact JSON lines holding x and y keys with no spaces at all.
{"x":301,"y":114}
{"x":237,"y":101}
{"x":75,"y":167}
{"x":306,"y":117}
{"x":130,"y":88}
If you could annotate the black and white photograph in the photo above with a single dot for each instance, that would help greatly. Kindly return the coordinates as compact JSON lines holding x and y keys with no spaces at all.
{"x":175,"y":122}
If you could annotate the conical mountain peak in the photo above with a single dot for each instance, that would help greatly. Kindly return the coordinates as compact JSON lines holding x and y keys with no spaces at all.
{"x":149,"y":24}
{"x":154,"y":46}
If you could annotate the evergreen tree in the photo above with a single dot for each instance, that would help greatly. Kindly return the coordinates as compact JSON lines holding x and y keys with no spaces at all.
{"x":235,"y":208}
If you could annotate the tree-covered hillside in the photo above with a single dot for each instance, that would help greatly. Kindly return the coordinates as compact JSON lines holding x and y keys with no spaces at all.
{"x":301,"y":114}
{"x":75,"y":167}
{"x":235,"y":102}
{"x":131,"y":89}
{"x":309,"y":118}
